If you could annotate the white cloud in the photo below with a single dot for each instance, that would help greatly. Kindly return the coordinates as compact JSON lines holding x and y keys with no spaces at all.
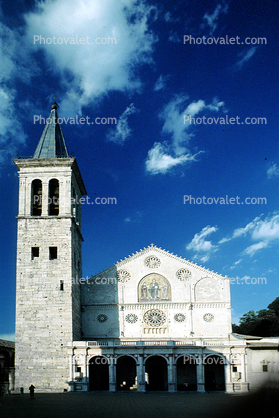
{"x":242,"y":231}
{"x":203,"y":247}
{"x":173,"y":117}
{"x":267,"y":229}
{"x":159,"y":161}
{"x":122,"y":131}
{"x":263,"y":230}
{"x":95,"y":69}
{"x":13,"y":64}
{"x":254,"y":248}
{"x":161,"y":82}
{"x":163,"y":157}
{"x":273,"y":171}
{"x":211,"y":20}
{"x":245,"y":56}
{"x":235,"y":264}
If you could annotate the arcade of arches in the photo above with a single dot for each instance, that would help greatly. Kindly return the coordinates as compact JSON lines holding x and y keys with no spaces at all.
{"x":156,"y":373}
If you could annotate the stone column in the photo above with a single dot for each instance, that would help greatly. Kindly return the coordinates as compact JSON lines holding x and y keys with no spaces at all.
{"x":171,"y":385}
{"x":44,"y":198}
{"x":71,"y":383}
{"x":112,"y":375}
{"x":228,"y":377}
{"x":140,"y":374}
{"x":200,"y":374}
{"x":85,"y":375}
{"x":244,"y":383}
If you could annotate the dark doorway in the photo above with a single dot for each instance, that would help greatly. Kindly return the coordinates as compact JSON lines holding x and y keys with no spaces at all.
{"x":126,"y":373}
{"x":214,"y":374}
{"x":186,"y":373}
{"x":156,"y":373}
{"x":98,"y":373}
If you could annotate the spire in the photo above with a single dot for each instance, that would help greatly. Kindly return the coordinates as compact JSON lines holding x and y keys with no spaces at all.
{"x":52,"y":143}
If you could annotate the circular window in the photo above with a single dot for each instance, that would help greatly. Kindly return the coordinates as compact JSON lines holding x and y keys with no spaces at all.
{"x":208,"y":317}
{"x":154,"y":317}
{"x":183,"y":274}
{"x":131,"y":318}
{"x":153,"y":262}
{"x":102,"y":318}
{"x":123,"y":276}
{"x":179,"y":317}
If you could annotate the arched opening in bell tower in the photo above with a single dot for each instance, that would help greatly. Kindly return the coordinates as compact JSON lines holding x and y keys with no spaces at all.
{"x":53,"y":197}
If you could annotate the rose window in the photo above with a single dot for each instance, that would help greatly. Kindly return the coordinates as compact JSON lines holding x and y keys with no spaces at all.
{"x":153,"y":262}
{"x":102,"y":318}
{"x":154,"y":318}
{"x":208,"y":317}
{"x":183,"y":274}
{"x":131,"y":318}
{"x":123,"y":276}
{"x":179,"y":317}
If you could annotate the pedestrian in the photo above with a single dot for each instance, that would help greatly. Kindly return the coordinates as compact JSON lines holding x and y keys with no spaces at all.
{"x":32,"y":390}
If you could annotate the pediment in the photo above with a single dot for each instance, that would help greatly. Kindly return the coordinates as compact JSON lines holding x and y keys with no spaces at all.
{"x":156,"y":259}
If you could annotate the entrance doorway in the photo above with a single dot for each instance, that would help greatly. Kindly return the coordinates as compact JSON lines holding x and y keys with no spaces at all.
{"x":214,"y":373}
{"x":156,"y":373}
{"x":186,"y":373}
{"x":98,"y":373}
{"x":126,"y":373}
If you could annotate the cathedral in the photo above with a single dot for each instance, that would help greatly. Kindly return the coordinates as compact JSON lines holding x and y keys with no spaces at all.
{"x":153,"y":321}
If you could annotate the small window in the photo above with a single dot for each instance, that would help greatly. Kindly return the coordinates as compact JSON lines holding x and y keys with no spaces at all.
{"x":234,"y":369}
{"x":61,"y":285}
{"x":35,"y":251}
{"x":52,"y":253}
{"x":265,"y":368}
{"x":78,"y":369}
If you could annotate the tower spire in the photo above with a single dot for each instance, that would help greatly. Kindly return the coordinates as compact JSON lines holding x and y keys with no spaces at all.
{"x":52,"y":143}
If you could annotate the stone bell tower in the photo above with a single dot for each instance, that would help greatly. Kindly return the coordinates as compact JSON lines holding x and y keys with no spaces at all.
{"x":49,"y":257}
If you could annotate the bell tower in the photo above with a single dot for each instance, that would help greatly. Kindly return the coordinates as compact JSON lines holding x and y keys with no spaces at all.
{"x":49,"y":258}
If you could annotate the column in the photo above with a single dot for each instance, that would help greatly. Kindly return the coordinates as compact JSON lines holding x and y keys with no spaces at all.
{"x":244,"y":383}
{"x":44,"y":198}
{"x":140,"y":374}
{"x":71,"y":383}
{"x":112,"y":374}
{"x":200,"y":374}
{"x":171,"y":385}
{"x":228,"y":377}
{"x":85,"y":375}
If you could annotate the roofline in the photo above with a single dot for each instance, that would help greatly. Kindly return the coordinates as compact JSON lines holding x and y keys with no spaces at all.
{"x":153,"y":247}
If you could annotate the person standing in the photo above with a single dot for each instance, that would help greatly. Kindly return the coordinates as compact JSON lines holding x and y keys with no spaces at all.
{"x":32,"y":390}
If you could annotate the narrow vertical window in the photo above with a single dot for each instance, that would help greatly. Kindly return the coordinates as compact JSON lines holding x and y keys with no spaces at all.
{"x":35,"y":251}
{"x":265,"y":368}
{"x":52,"y":253}
{"x":61,"y":285}
{"x":53,"y":197}
{"x":36,"y":198}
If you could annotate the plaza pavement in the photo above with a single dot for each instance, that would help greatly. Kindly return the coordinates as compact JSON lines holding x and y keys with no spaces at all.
{"x":141,"y":405}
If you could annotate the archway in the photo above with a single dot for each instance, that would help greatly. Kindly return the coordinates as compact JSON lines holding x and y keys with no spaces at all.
{"x":126,"y":373}
{"x":214,"y":373}
{"x":186,"y":370}
{"x":98,"y":373}
{"x":156,"y":373}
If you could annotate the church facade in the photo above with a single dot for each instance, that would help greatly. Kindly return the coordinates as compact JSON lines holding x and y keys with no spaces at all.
{"x":153,"y":321}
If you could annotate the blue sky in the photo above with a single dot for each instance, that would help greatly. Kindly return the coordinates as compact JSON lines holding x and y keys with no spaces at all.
{"x":152,"y":66}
